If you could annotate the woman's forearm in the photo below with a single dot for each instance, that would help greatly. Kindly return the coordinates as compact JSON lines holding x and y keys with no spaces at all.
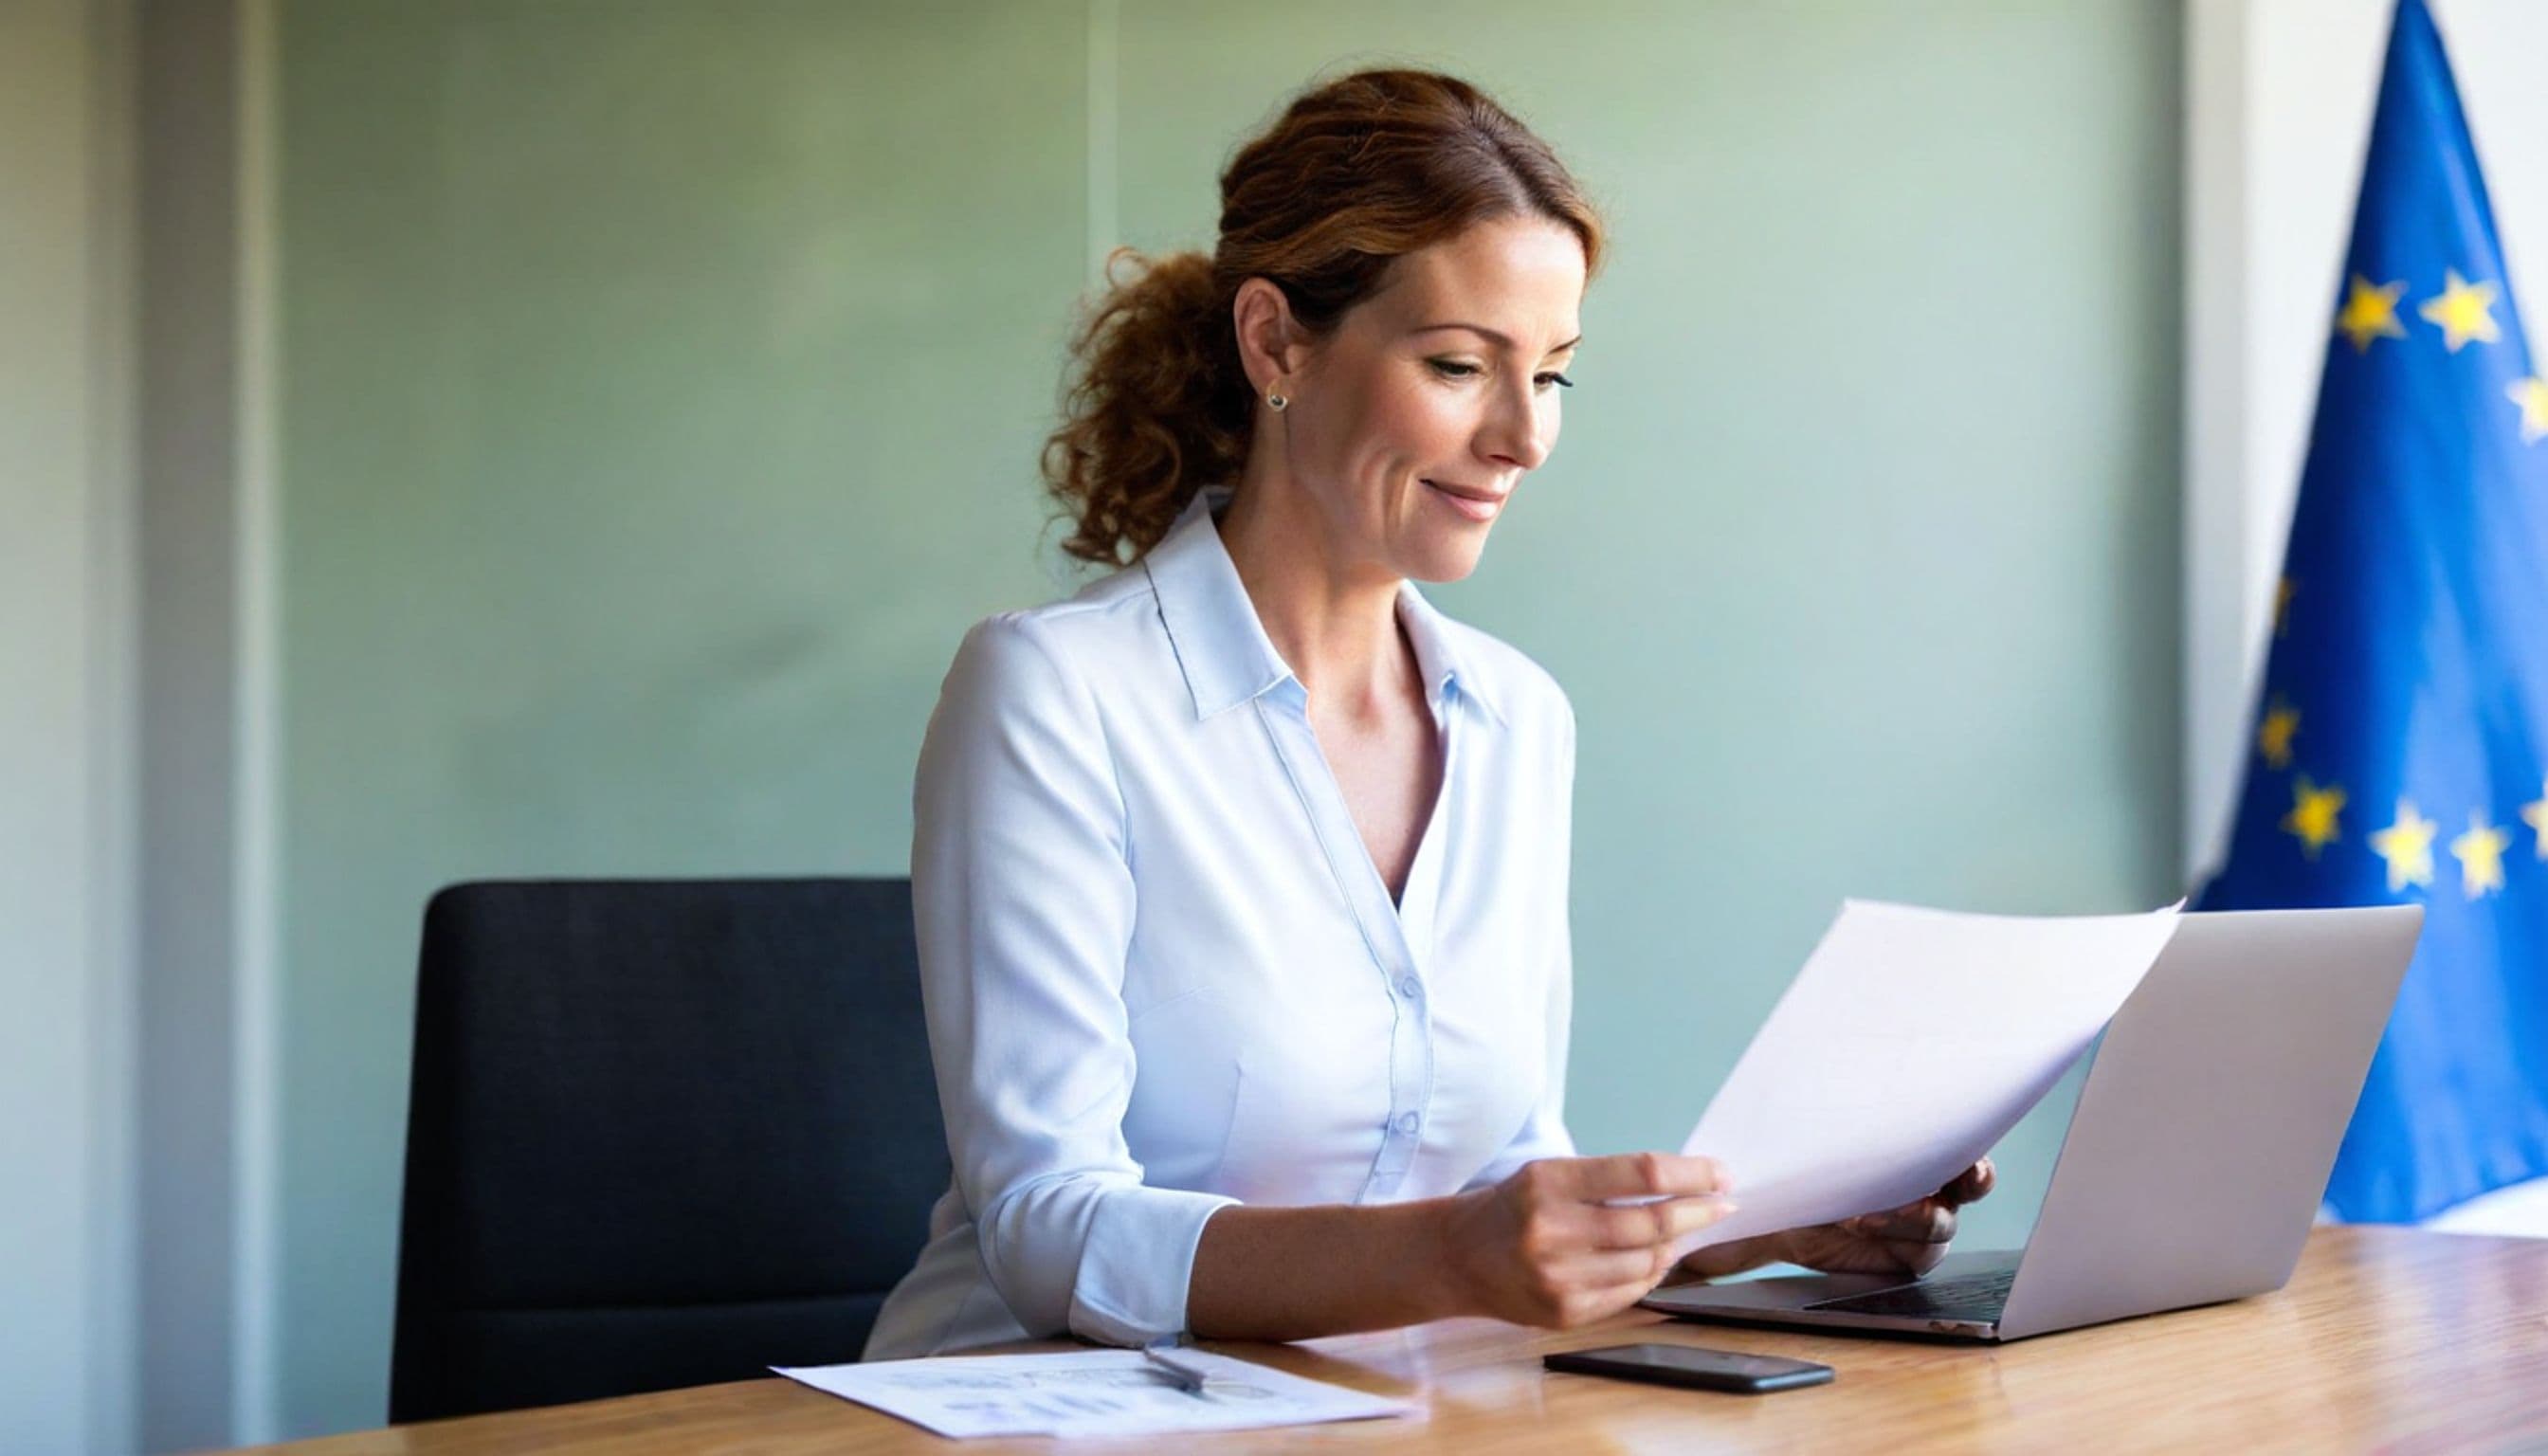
{"x":1298,"y":1273}
{"x":1558,"y":1243}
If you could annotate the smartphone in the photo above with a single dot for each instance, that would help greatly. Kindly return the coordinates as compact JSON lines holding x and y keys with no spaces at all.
{"x":1690,"y":1365}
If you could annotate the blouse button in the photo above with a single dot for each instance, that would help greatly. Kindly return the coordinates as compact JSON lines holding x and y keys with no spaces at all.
{"x":1406,"y":1123}
{"x":1409,"y":988}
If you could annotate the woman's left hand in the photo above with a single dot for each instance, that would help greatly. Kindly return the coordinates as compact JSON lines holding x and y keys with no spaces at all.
{"x":1910,"y":1240}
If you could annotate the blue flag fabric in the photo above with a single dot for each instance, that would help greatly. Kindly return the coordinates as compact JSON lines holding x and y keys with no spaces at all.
{"x":2399,"y":743}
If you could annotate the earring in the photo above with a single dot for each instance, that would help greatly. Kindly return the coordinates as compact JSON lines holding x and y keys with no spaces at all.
{"x":1277,"y":401}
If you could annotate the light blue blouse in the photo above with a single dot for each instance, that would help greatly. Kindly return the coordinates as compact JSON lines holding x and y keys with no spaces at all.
{"x":1162,"y":973}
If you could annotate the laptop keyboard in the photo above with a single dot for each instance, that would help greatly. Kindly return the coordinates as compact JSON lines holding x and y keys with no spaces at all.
{"x":1974,"y":1296}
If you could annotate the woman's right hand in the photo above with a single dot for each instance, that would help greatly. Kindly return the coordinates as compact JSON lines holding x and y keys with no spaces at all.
{"x":1545,"y":1247}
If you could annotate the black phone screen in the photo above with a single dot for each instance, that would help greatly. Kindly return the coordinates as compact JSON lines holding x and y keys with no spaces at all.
{"x":1692,"y":1366}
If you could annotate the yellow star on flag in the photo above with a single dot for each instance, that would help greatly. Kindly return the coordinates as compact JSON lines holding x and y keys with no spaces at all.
{"x":2460,"y":311}
{"x":2313,"y":815}
{"x":2274,"y":735}
{"x":2481,"y":855}
{"x":2536,"y":814}
{"x":2408,"y":845}
{"x":2284,"y":592}
{"x":2532,"y":395}
{"x":2370,"y":312}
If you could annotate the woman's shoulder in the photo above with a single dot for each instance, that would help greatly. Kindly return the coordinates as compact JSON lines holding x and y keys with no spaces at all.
{"x":1069,"y":645}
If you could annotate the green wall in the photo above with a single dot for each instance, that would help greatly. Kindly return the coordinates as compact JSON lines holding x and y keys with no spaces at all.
{"x":662,"y":384}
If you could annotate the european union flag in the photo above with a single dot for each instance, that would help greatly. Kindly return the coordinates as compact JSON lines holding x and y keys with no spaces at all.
{"x":2398,"y":749}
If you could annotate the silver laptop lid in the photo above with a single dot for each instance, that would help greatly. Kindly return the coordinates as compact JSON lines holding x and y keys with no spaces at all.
{"x":2210,"y":1119}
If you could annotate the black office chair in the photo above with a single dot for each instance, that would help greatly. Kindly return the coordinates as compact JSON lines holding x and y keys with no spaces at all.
{"x":661,"y":1134}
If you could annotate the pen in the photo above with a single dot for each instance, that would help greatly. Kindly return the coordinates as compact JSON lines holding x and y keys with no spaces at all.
{"x":1181,"y":1372}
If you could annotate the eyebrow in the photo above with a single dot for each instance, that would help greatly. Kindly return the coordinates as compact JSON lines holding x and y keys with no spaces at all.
{"x":1482,"y":330}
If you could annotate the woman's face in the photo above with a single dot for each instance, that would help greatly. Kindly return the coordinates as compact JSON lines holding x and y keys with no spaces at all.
{"x":1413,"y":421}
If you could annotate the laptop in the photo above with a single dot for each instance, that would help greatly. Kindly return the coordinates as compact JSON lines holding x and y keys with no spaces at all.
{"x":2196,"y":1155}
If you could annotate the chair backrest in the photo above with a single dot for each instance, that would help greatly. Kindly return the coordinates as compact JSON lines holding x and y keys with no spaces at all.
{"x":661,"y":1132}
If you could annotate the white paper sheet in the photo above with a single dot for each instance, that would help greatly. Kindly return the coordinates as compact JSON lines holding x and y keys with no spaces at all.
{"x":1910,"y":1042}
{"x":1096,"y":1392}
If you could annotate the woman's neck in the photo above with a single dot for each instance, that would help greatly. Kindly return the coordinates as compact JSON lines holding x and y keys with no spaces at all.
{"x":1334,"y":619}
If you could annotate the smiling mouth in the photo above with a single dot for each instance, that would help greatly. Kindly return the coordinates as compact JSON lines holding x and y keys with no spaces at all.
{"x":1474,"y":505}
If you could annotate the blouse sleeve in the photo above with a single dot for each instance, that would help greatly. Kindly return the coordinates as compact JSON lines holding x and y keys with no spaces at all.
{"x":1023,"y":903}
{"x":1543,"y":1132}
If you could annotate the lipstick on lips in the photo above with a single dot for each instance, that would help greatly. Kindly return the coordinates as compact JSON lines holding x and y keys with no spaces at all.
{"x":1476,"y":504}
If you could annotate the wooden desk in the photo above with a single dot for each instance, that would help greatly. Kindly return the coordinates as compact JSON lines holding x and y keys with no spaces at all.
{"x":2390,"y":1339}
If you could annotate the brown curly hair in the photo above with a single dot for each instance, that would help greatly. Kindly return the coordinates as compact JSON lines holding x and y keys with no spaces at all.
{"x":1354,"y":174}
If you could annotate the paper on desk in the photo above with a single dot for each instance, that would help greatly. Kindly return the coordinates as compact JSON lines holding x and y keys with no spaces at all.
{"x":1094,"y":1393}
{"x":1910,"y":1042}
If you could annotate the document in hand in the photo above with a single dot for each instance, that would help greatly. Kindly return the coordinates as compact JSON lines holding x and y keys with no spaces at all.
{"x":1088,"y":1393}
{"x":1912,"y":1041}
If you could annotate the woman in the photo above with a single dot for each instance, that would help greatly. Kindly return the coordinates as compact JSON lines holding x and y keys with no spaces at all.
{"x":1242,"y":875}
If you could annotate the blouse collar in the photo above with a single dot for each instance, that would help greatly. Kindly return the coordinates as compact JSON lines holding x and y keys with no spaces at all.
{"x":1221,"y":646}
